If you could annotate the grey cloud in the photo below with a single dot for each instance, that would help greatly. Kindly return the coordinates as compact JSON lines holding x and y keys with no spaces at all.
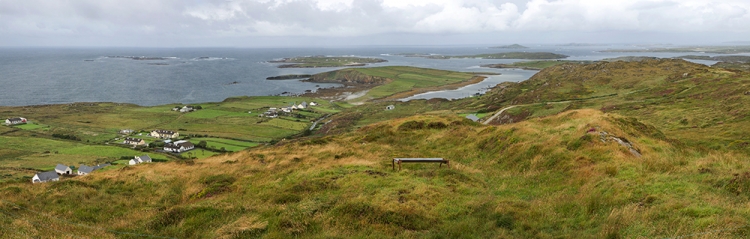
{"x":208,"y":22}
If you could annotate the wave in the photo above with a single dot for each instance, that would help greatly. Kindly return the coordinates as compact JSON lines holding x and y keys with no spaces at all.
{"x":209,"y":58}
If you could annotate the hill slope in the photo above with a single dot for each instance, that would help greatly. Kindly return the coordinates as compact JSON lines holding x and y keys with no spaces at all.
{"x":548,"y":177}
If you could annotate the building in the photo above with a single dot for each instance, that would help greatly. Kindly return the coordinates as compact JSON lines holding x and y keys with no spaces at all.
{"x":164,"y":134}
{"x":187,"y":108}
{"x":390,"y":107}
{"x":45,"y":177}
{"x":179,"y":146}
{"x":473,"y":117}
{"x":302,"y":105}
{"x":63,"y":170}
{"x":84,"y":170}
{"x":134,"y":141}
{"x":140,"y":159}
{"x":126,"y":131}
{"x":14,"y":121}
{"x":313,"y":103}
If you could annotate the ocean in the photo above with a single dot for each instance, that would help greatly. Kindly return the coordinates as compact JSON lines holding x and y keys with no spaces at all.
{"x":35,"y":76}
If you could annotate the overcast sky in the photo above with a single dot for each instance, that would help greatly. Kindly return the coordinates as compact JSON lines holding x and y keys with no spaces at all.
{"x":293,"y":23}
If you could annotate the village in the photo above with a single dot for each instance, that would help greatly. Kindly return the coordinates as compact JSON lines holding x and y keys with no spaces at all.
{"x":160,"y":141}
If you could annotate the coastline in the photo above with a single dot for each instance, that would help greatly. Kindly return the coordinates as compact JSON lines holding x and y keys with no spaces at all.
{"x":413,"y":92}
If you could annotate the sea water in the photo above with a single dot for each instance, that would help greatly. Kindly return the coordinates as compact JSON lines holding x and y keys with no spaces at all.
{"x":34,"y":76}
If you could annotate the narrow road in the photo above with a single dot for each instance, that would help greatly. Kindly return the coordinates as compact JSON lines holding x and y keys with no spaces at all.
{"x":513,"y":106}
{"x":498,"y":114}
{"x":317,"y":121}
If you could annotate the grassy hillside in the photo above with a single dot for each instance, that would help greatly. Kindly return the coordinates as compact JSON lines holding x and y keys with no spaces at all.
{"x":548,"y":177}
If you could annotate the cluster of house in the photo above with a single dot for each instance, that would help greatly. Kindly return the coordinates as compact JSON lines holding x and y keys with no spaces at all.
{"x":174,"y":147}
{"x":185,"y":109}
{"x":64,"y":170}
{"x":15,"y":121}
{"x":273,"y":112}
{"x":159,"y":133}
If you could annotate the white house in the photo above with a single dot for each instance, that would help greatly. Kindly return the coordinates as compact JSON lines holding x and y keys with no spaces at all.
{"x":126,"y":131}
{"x":302,"y":105}
{"x":62,"y":169}
{"x":45,"y":177}
{"x":390,"y":107}
{"x":164,"y":134}
{"x":313,"y":103}
{"x":187,"y":108}
{"x":83,"y":170}
{"x":139,"y":160}
{"x":179,"y":146}
{"x":134,"y":141}
{"x":13,"y":121}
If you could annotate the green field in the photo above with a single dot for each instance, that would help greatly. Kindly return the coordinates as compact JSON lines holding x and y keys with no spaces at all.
{"x":39,"y":145}
{"x":31,"y":126}
{"x":227,"y":144}
{"x":41,"y":153}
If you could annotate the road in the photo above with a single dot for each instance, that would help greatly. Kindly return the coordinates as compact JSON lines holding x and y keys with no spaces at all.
{"x":498,"y":114}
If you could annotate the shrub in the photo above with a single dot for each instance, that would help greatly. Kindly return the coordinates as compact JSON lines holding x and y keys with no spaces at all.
{"x":411,"y":125}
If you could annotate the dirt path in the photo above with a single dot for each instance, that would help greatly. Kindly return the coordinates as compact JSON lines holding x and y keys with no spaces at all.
{"x":498,"y":113}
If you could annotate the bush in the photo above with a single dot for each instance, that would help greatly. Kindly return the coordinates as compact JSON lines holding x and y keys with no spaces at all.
{"x":411,"y":125}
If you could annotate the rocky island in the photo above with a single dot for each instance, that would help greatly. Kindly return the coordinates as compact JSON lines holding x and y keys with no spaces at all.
{"x":325,"y":61}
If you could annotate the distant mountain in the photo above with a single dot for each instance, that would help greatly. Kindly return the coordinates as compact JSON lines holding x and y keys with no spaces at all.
{"x":581,"y":44}
{"x":514,"y":46}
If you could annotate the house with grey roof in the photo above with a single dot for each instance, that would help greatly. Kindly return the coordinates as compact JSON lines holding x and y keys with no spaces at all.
{"x":140,"y":159}
{"x":63,"y":170}
{"x":44,"y":177}
{"x":302,"y":105}
{"x":84,"y":169}
{"x":473,"y":117}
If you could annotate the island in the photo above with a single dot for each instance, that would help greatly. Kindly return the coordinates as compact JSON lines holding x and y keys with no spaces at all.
{"x":288,"y":77}
{"x":514,"y":46}
{"x":697,"y":49}
{"x":535,"y":65}
{"x":325,"y":61}
{"x":735,"y":58}
{"x":581,"y":44}
{"x":502,"y":55}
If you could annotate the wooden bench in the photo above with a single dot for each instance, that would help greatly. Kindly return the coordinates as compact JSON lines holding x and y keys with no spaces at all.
{"x":418,"y":160}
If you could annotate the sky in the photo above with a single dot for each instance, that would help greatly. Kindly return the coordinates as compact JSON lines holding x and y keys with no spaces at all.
{"x":300,"y":23}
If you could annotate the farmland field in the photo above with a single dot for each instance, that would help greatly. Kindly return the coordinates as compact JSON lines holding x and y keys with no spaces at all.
{"x":228,"y":144}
